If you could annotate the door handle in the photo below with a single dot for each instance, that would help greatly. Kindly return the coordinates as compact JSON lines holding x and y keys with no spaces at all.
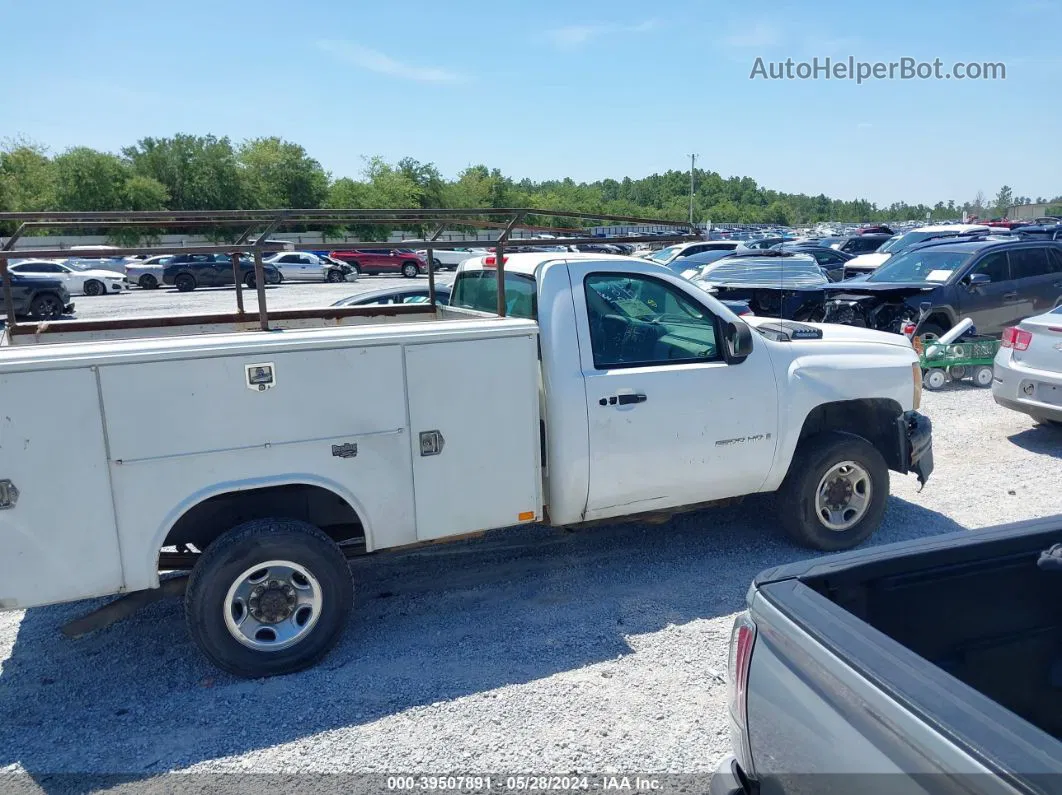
{"x":626,"y":400}
{"x":1010,"y":298}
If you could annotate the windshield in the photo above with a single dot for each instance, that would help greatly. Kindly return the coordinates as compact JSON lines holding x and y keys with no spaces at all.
{"x":758,"y":273}
{"x":664,"y":254}
{"x":479,"y":290}
{"x":924,"y":265}
{"x":900,"y":242}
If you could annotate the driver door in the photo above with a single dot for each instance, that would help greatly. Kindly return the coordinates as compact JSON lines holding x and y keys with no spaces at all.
{"x":671,"y":423}
{"x":991,"y":305}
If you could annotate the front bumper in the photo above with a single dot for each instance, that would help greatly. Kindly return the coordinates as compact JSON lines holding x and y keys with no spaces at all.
{"x":1037,"y":393}
{"x":726,"y":781}
{"x":916,"y":444}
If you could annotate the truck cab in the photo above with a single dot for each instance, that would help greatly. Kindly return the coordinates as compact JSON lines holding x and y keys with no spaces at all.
{"x":657,"y":397}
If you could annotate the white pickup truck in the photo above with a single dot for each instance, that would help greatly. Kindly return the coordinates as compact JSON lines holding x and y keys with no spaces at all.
{"x":259,"y":461}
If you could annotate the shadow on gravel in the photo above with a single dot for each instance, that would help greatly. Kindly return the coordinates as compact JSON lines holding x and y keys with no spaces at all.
{"x":511,"y":607}
{"x":1042,"y":440}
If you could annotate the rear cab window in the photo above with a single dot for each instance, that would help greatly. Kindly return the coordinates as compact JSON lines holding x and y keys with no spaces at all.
{"x":478,"y":290}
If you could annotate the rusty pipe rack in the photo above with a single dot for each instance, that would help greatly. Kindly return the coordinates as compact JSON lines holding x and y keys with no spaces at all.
{"x":260,"y":223}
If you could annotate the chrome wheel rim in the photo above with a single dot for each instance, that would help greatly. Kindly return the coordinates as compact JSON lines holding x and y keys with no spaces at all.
{"x":273,"y":605}
{"x":843,"y":496}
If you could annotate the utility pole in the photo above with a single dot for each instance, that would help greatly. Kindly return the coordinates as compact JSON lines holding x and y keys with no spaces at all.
{"x":693,"y":161}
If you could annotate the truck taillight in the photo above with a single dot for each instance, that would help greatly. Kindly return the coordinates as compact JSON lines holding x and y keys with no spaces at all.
{"x":909,"y":329}
{"x":741,"y":641}
{"x":492,"y":261}
{"x":1016,"y":338}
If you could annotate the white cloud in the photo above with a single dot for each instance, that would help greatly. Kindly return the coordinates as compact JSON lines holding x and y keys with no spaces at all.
{"x":758,"y":35}
{"x":574,"y":36}
{"x":375,"y":61}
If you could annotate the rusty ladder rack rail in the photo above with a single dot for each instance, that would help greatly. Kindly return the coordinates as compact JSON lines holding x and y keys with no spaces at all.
{"x":262,"y":223}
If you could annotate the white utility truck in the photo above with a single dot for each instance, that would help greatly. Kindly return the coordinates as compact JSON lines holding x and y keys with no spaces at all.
{"x":260,"y":460}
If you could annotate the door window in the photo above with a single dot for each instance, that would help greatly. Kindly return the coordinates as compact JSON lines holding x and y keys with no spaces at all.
{"x":638,"y":321}
{"x":1054,"y":258}
{"x":1027,"y":263}
{"x":994,"y":266}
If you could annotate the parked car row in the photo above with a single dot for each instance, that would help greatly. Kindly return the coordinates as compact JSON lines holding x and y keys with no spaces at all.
{"x":78,"y":280}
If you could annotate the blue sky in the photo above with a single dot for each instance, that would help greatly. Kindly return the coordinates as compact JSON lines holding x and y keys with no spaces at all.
{"x":584,"y":88}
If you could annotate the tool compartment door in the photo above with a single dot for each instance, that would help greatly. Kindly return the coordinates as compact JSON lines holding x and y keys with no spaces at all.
{"x":58,"y":542}
{"x":474,"y":429}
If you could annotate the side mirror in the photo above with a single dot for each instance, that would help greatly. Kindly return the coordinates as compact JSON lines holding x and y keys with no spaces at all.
{"x":738,"y":340}
{"x":975,"y":280}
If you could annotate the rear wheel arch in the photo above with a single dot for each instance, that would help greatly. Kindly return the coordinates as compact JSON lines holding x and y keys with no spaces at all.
{"x":206,"y":515}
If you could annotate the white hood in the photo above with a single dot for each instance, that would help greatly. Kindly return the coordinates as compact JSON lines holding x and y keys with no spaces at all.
{"x":836,"y":332}
{"x":867,"y":261}
{"x":98,"y":273}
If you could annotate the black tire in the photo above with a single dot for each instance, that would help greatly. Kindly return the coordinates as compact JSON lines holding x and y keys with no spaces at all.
{"x":250,"y":281}
{"x":226,"y":560}
{"x":148,"y":282}
{"x":184,"y":282}
{"x":335,"y":275}
{"x":931,"y":328}
{"x":437,"y":263}
{"x":93,"y":287}
{"x":814,"y":458}
{"x":276,"y":277}
{"x":410,"y":270}
{"x":46,"y":306}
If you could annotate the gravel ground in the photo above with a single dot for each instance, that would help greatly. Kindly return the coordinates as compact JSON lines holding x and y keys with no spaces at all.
{"x":289,"y":295}
{"x":528,"y":650}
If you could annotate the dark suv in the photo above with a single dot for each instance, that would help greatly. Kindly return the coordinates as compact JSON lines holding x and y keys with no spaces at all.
{"x":862,"y":243}
{"x":188,"y":271}
{"x":930,"y":287}
{"x":39,"y":299}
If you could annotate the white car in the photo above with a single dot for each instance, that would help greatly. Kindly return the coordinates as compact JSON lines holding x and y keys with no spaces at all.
{"x":95,"y":258}
{"x":304,"y":266}
{"x":864,"y":263}
{"x":666,"y":256}
{"x":79,"y":281}
{"x":450,"y":258}
{"x":147,"y":272}
{"x":1027,"y":374}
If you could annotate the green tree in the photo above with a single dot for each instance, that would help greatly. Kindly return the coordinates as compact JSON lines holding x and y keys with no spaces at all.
{"x":1004,"y":199}
{"x":144,"y":193}
{"x":27,"y":178}
{"x":278,"y":173}
{"x":89,"y":180}
{"x":198,"y":172}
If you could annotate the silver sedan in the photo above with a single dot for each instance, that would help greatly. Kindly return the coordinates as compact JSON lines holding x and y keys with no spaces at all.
{"x":1027,"y":374}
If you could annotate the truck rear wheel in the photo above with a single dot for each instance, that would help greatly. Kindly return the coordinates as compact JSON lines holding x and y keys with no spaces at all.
{"x":834,"y":495}
{"x":269,"y":597}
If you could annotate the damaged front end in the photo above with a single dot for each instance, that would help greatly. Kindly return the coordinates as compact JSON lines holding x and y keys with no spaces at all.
{"x":894,"y":310}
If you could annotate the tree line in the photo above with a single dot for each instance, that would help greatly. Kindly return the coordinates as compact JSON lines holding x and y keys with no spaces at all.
{"x":205,"y":172}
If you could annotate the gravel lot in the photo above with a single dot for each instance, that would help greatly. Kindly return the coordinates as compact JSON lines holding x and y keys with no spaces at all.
{"x":289,"y":295}
{"x":529,"y":650}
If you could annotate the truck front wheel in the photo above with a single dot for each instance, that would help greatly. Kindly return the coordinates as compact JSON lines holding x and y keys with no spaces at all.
{"x":834,"y":495}
{"x":269,"y":597}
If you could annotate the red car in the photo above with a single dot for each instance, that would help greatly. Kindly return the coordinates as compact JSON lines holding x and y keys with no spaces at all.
{"x":380,"y":260}
{"x":1004,"y":223}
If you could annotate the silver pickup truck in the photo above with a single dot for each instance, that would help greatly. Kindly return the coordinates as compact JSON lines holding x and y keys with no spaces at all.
{"x":929,"y":666}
